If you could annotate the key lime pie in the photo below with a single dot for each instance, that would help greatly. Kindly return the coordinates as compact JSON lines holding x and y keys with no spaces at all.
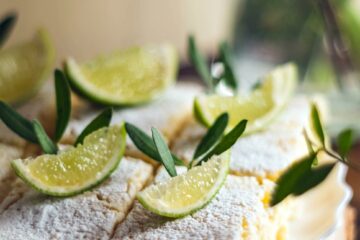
{"x":176,"y":175}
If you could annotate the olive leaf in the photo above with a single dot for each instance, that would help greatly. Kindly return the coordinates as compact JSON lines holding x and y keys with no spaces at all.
{"x":102,"y":120}
{"x":345,"y":142}
{"x":6,"y":25}
{"x":212,"y":136}
{"x":145,"y":144}
{"x":45,"y":142}
{"x":200,"y":65}
{"x":17,"y":123}
{"x":63,"y":103}
{"x":226,"y":59}
{"x":164,"y":152}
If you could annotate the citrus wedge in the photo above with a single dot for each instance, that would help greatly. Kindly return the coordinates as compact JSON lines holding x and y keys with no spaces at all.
{"x":23,"y":68}
{"x":259,"y":108}
{"x":75,"y":169}
{"x":132,"y":76}
{"x":187,"y":193}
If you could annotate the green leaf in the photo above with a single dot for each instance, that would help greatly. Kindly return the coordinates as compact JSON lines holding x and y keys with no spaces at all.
{"x":164,"y":152}
{"x":289,"y":180}
{"x":63,"y":103}
{"x":312,"y":178}
{"x":18,"y":124}
{"x":227,"y":141}
{"x":6,"y":25}
{"x":145,"y":144}
{"x":226,"y":59}
{"x":102,"y":120}
{"x":316,"y":125}
{"x":311,"y":150}
{"x":345,"y":142}
{"x":45,"y":142}
{"x":199,"y":63}
{"x":212,"y":136}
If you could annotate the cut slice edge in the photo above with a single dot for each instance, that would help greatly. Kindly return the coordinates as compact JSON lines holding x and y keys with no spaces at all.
{"x":281,"y":83}
{"x":155,"y":198}
{"x":24,"y":172}
{"x":82,"y":84}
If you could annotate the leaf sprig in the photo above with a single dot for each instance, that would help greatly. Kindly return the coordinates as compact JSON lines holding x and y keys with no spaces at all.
{"x":305,"y":174}
{"x":34,"y":132}
{"x":225,"y":58}
{"x":6,"y":25}
{"x":214,"y":142}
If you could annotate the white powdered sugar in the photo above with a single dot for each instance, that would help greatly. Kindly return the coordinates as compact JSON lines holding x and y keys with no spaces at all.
{"x":236,"y":212}
{"x":92,"y":215}
{"x":262,"y":154}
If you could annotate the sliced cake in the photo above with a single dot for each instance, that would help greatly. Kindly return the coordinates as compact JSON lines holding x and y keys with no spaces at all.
{"x":92,"y":215}
{"x":238,"y":211}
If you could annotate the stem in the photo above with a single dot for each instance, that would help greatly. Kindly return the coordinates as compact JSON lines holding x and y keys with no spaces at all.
{"x":339,"y":53}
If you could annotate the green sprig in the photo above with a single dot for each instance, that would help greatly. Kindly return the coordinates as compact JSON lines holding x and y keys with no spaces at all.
{"x":102,"y":120}
{"x":305,"y":175}
{"x":6,"y":25}
{"x":63,"y":103}
{"x":45,"y":142}
{"x":17,"y":123}
{"x":146,"y":145}
{"x":226,"y":59}
{"x":198,"y":60}
{"x":164,"y":152}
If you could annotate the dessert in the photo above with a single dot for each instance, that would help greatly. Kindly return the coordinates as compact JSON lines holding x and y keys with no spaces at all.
{"x":275,"y":159}
{"x":92,"y":215}
{"x":239,"y":211}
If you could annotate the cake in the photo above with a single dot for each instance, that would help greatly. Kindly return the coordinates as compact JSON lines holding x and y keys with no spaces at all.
{"x":110,"y":211}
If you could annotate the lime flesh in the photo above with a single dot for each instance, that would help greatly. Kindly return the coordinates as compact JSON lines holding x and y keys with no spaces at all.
{"x":187,"y":193}
{"x":259,"y":108}
{"x":23,"y":68}
{"x":75,"y":169}
{"x":132,"y":76}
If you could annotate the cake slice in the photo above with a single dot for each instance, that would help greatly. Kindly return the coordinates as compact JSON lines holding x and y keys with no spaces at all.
{"x":167,"y":114}
{"x":238,"y":211}
{"x":92,"y":215}
{"x":262,"y":154}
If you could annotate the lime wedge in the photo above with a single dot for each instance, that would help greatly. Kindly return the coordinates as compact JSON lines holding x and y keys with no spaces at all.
{"x":132,"y":76}
{"x":259,"y":108}
{"x":76,"y":169}
{"x":23,"y":68}
{"x":187,"y":193}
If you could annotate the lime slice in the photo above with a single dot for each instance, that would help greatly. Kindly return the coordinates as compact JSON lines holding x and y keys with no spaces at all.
{"x":187,"y":193}
{"x":259,"y":108}
{"x":23,"y":68}
{"x":132,"y":76}
{"x":75,"y":169}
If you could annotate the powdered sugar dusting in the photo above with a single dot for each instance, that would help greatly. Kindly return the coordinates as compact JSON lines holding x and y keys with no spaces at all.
{"x":92,"y":215}
{"x":239,"y":200}
{"x":264,"y":153}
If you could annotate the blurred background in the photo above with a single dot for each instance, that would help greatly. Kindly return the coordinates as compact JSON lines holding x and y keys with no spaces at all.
{"x":322,"y":37}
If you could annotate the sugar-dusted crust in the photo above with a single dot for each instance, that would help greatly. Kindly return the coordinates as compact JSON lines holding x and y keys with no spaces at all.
{"x":237,"y":212}
{"x":7,"y":153}
{"x":262,"y":154}
{"x":168,"y":114}
{"x":92,"y":215}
